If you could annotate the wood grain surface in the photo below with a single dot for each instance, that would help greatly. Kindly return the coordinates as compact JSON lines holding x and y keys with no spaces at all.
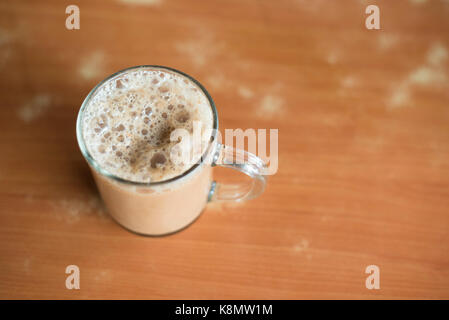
{"x":363,"y":174}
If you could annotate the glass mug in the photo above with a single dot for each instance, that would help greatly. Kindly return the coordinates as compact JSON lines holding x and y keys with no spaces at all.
{"x":164,"y":207}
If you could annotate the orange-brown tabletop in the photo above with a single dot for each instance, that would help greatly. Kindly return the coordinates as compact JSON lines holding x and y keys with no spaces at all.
{"x":363,"y":174}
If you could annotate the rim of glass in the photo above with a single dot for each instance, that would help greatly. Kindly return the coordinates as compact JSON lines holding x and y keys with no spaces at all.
{"x":90,"y":159}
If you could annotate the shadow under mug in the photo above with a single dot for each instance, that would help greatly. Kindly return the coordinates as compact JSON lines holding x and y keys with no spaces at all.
{"x":164,"y":207}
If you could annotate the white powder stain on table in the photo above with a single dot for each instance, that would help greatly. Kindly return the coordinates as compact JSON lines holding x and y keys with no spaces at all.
{"x":223,"y":206}
{"x":418,"y":2}
{"x":217,"y":81}
{"x":204,"y":49}
{"x":349,"y":82}
{"x":200,"y":49}
{"x":92,"y":66}
{"x":5,"y":37}
{"x":302,"y":246}
{"x":386,"y":41}
{"x":270,"y":105}
{"x":332,"y":57}
{"x":431,"y":73}
{"x":245,"y":92}
{"x":141,"y":2}
{"x":104,"y":275}
{"x":71,"y":210}
{"x":427,"y":75}
{"x":27,"y":265}
{"x":437,"y":55}
{"x":34,"y":108}
{"x":400,"y":96}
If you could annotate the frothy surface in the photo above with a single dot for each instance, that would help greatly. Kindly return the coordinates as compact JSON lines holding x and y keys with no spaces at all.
{"x":128,"y":122}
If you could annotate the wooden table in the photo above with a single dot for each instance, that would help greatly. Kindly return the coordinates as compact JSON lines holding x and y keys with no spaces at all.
{"x":363,"y":173}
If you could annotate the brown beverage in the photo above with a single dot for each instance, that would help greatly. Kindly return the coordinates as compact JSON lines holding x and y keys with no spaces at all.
{"x":127,"y":126}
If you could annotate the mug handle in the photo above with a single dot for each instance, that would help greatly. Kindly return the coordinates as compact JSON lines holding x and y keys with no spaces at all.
{"x":245,"y":162}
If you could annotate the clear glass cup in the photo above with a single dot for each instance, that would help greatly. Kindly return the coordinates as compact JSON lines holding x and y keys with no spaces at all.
{"x":164,"y":207}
